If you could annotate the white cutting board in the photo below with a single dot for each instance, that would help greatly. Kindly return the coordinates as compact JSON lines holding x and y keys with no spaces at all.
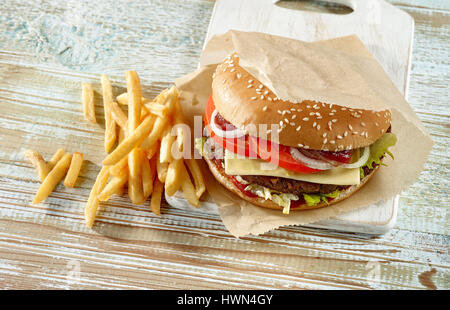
{"x":385,"y":30}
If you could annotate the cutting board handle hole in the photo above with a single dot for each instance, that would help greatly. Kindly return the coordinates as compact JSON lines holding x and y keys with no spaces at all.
{"x":329,"y":7}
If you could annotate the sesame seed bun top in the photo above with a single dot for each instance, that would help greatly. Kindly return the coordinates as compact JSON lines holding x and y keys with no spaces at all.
{"x":246,"y":103}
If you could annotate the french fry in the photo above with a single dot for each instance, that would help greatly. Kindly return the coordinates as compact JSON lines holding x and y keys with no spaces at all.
{"x":87,"y":99}
{"x":155,"y":201}
{"x":165,"y":150}
{"x":38,"y":162}
{"x":134,"y":93}
{"x":110,"y":124}
{"x":123,"y":99}
{"x":53,"y":178}
{"x":168,"y":98}
{"x":173,"y":177}
{"x":157,"y":109}
{"x":55,"y":158}
{"x":147,"y":177}
{"x":119,"y":116}
{"x":90,"y":210}
{"x":131,"y":141}
{"x":152,"y":150}
{"x":188,"y":189}
{"x":135,"y":190}
{"x":74,"y":169}
{"x":179,"y":120}
{"x":161,"y":170}
{"x":114,"y":186}
{"x":197,"y":176}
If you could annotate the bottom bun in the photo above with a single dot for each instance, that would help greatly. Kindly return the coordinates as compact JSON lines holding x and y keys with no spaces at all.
{"x":219,"y":174}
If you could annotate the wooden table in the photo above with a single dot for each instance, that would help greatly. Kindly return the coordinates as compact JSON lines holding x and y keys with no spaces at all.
{"x":48,"y":48}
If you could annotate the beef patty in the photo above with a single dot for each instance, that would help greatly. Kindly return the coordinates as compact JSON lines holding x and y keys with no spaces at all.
{"x":295,"y":187}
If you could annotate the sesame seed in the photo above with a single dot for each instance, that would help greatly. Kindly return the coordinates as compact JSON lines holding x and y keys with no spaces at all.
{"x":339,"y":136}
{"x":334,"y":120}
{"x":367,"y":134}
{"x":260,"y":86}
{"x":319,"y":117}
{"x":324,"y":134}
{"x":345,"y":134}
{"x":306,"y":147}
{"x":355,"y":132}
{"x":306,"y":119}
{"x":266,"y":92}
{"x":350,"y":127}
{"x":362,"y":133}
{"x":278,"y":111}
{"x":308,"y":107}
{"x":262,"y":97}
{"x":286,"y":120}
{"x":281,"y":123}
{"x":292,"y":124}
{"x":298,"y":128}
{"x":264,"y":108}
{"x":331,"y":114}
{"x":332,"y":142}
{"x":312,"y":113}
{"x":268,"y":98}
{"x":299,"y":110}
{"x":318,"y":127}
{"x":325,"y":140}
{"x":250,"y":81}
{"x":314,"y":124}
{"x":232,"y":70}
{"x":249,"y":86}
{"x":253,"y":98}
{"x":300,"y":145}
{"x":363,"y":124}
{"x":269,"y":131}
{"x":238,"y":75}
{"x":325,"y":149}
{"x":376,"y":124}
{"x":343,"y":109}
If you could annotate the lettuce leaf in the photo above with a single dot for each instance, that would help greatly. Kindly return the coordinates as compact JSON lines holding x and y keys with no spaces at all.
{"x":281,"y":199}
{"x":379,"y":148}
{"x":314,"y":199}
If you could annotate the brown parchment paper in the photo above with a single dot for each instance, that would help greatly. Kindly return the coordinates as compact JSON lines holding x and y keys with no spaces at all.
{"x":339,"y":71}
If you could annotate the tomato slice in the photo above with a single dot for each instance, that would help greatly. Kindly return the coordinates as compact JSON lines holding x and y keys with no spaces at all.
{"x":256,"y":147}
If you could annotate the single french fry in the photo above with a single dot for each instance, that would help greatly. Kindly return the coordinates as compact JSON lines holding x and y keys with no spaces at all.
{"x":123,"y":99}
{"x":197,"y":176}
{"x":165,"y":150}
{"x":131,"y":141}
{"x":74,"y":170}
{"x":55,"y":158}
{"x":87,"y":99}
{"x":90,"y":210}
{"x":161,"y":170}
{"x":117,"y":168}
{"x":188,"y":188}
{"x":110,"y":124}
{"x":135,"y":191}
{"x":179,"y":120}
{"x":147,"y":178}
{"x":38,"y":162}
{"x":119,"y":116}
{"x":114,"y":186}
{"x":155,"y":201}
{"x":134,"y":93}
{"x":53,"y":178}
{"x":173,"y":177}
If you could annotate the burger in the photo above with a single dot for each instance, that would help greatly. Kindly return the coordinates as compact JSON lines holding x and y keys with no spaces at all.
{"x":288,"y":155}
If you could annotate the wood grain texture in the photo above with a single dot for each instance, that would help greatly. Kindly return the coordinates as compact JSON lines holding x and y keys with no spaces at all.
{"x":42,"y":246}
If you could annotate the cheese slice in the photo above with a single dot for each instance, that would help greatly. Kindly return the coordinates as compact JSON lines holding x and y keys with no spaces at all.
{"x":238,"y":165}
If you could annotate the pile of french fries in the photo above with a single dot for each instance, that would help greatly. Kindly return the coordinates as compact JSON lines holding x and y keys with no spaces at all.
{"x":52,"y":172}
{"x":145,"y":148}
